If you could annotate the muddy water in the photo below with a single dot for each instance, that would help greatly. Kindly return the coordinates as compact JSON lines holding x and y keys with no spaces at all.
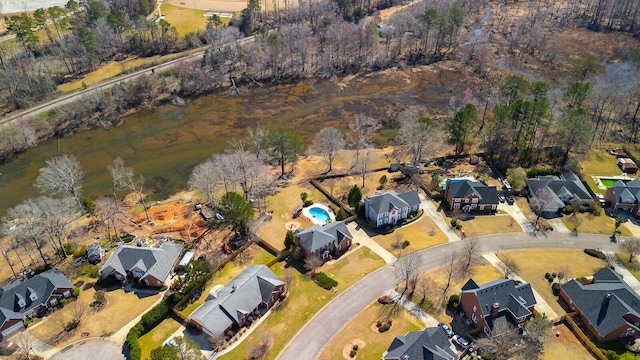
{"x":163,"y":146}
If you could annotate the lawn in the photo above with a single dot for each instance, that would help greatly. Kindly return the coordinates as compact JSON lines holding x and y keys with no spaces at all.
{"x":126,"y":305}
{"x":305,"y":299}
{"x":186,"y":20}
{"x":599,"y":162}
{"x":489,"y":224}
{"x":421,"y":234}
{"x":588,"y":223}
{"x":534,"y":263}
{"x":360,"y":328}
{"x":633,"y":266}
{"x":566,"y":346}
{"x":481,"y":271}
{"x":157,"y":336}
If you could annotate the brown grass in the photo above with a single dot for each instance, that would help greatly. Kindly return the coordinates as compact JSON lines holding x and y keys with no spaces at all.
{"x":421,"y":234}
{"x":489,"y":224}
{"x":360,"y":328}
{"x":534,"y":263}
{"x":594,"y":224}
{"x":566,"y":346}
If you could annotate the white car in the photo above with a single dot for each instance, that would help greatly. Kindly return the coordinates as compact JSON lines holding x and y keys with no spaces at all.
{"x":171,"y":342}
{"x":460,"y":341}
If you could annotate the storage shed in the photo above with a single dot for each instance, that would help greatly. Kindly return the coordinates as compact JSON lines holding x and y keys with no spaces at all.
{"x":186,"y":259}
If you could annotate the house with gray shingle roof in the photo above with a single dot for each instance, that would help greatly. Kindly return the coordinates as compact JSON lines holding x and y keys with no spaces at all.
{"x":325,"y":241}
{"x":559,"y":191}
{"x":19,"y":300}
{"x":430,"y":343}
{"x":150,"y":266}
{"x":255,"y":290}
{"x":389,"y":208}
{"x":608,"y":307}
{"x":496,"y":301}
{"x":470,"y":196}
{"x":624,"y":196}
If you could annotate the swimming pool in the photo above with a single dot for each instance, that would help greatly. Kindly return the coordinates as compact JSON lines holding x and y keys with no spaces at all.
{"x":604,"y":182}
{"x":318,"y":214}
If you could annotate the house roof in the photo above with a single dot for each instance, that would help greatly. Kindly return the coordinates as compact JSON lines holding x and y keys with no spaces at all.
{"x":626,"y":193}
{"x":156,"y":262}
{"x":567,"y":185}
{"x":318,"y":236}
{"x":42,"y":285}
{"x":430,"y":343}
{"x":504,"y":293}
{"x":253,"y":286}
{"x":387,"y":201}
{"x":605,"y":302}
{"x":460,"y":189}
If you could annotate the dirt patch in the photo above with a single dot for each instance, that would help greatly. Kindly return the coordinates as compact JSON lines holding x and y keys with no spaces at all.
{"x":346,"y":352}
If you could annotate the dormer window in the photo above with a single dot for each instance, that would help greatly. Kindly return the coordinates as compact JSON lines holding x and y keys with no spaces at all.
{"x":33,"y":296}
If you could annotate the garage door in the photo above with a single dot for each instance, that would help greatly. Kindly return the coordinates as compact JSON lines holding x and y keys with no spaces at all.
{"x":12,"y":329}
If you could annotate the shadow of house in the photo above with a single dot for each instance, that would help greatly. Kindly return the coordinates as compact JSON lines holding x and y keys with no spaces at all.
{"x":324,"y":241}
{"x":608,"y":307}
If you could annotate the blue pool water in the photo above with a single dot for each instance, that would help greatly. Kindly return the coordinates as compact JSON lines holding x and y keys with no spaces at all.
{"x":320,"y":214}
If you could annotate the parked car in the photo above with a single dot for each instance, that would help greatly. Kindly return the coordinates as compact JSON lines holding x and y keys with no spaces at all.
{"x":501,"y":198}
{"x":460,"y":341}
{"x":7,"y":347}
{"x":446,"y":329}
{"x":171,"y":342}
{"x":510,"y":200}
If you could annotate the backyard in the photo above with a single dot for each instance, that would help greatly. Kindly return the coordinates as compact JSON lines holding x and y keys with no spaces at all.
{"x":360,"y":328}
{"x":534,"y":263}
{"x":305,"y":299}
{"x":566,"y":346}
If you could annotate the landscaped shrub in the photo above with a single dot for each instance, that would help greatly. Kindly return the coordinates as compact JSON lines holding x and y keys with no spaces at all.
{"x":405,"y":244}
{"x":76,"y":292}
{"x":568,"y":209}
{"x":453,"y":302}
{"x":595,"y":253}
{"x":324,"y":281}
{"x":341,"y":214}
{"x":91,"y":271}
{"x":554,"y":275}
{"x":78,"y":253}
{"x":353,"y":353}
{"x":454,"y":222}
{"x":308,"y":202}
{"x":555,"y":288}
{"x":595,"y":208}
{"x":42,"y":268}
{"x":385,"y":300}
{"x":547,"y":276}
{"x":127,"y":238}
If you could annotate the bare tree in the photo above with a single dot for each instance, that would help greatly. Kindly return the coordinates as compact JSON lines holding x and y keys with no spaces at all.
{"x":563,"y":273}
{"x":361,"y":165}
{"x":630,"y":246}
{"x":505,"y":342}
{"x":416,"y":140}
{"x":469,"y":251}
{"x":508,"y":267}
{"x":327,"y":143}
{"x":260,"y":350}
{"x":406,"y":268}
{"x":450,"y":267}
{"x":313,"y":263}
{"x":543,"y":201}
{"x":258,"y":139}
{"x":204,"y":178}
{"x":5,"y":250}
{"x":61,"y":175}
{"x":247,"y":171}
{"x":124,"y":178}
{"x":55,"y":215}
{"x":24,"y":341}
{"x":362,"y":129}
{"x":30,"y":228}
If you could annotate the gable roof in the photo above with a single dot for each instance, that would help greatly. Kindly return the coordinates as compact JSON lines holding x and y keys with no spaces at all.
{"x":463,"y":188}
{"x":387,"y":201}
{"x":626,"y":193}
{"x":430,"y":343}
{"x":605,"y":302}
{"x":253,"y":286}
{"x":319,"y":236}
{"x":156,"y":262}
{"x":506,"y":294}
{"x":42,"y":285}
{"x":567,"y":185}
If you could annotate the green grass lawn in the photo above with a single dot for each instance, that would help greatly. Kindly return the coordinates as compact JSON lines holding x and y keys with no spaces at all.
{"x":633,"y":266}
{"x":305,"y":299}
{"x":599,"y":162}
{"x":594,"y":224}
{"x":157,"y":336}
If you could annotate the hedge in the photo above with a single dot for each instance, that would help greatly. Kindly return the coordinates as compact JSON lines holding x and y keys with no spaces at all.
{"x":584,"y":339}
{"x":148,"y":321}
{"x":324,"y":281}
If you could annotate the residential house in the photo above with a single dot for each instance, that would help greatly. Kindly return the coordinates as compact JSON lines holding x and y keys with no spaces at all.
{"x":627,"y":165}
{"x":325,"y":241}
{"x":470,"y":196}
{"x":255,"y":289}
{"x":558,"y":191}
{"x":497,"y":301}
{"x":147,"y":265}
{"x":20,"y":300}
{"x":608,"y":307}
{"x":624,"y":196}
{"x":389,"y":208}
{"x":430,"y":343}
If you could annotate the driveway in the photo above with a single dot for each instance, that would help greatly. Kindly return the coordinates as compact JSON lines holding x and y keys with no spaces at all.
{"x":91,"y":349}
{"x":516,"y":214}
{"x":311,"y":339}
{"x":435,"y":214}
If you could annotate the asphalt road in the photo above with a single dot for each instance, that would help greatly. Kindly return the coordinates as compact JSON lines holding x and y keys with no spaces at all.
{"x":311,"y":339}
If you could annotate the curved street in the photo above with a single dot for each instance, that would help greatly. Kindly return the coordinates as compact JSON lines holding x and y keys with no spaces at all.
{"x":311,"y":339}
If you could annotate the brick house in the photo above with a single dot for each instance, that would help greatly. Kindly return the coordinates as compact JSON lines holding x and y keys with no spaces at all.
{"x":471,"y":196}
{"x":20,"y":300}
{"x":256,"y":288}
{"x":608,"y":307}
{"x":496,"y":301}
{"x":625,"y":196}
{"x":325,"y":241}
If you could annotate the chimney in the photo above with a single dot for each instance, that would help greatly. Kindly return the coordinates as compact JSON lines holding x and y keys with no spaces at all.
{"x":233,"y":288}
{"x":604,"y":308}
{"x":495,"y":308}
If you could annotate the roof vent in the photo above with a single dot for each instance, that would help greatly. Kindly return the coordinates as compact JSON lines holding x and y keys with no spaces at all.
{"x":608,"y":296}
{"x":233,"y":288}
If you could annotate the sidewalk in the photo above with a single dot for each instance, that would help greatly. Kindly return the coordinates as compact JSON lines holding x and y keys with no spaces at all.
{"x":541,"y":304}
{"x":413,"y":309}
{"x":430,"y":210}
{"x":626,"y":275}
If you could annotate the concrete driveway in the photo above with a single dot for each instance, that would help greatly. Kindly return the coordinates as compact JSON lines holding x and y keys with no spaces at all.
{"x":91,"y":349}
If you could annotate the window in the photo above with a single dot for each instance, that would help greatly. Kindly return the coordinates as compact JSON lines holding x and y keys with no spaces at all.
{"x":475,"y":308}
{"x":474,"y":200}
{"x":33,"y":296}
{"x":21,"y":303}
{"x":481,"y":207}
{"x":67,"y":294}
{"x":474,"y":318}
{"x":53,"y":302}
{"x":466,"y":200}
{"x":456,"y":206}
{"x":456,"y":200}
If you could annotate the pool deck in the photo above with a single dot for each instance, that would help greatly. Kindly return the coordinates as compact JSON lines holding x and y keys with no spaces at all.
{"x":313,"y":219}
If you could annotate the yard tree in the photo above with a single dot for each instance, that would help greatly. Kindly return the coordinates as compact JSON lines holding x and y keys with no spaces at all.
{"x":630,"y":246}
{"x":327,"y":143}
{"x":574,"y":132}
{"x":537,"y":329}
{"x":289,"y":240}
{"x":406,"y":267}
{"x":469,"y":250}
{"x":187,"y":349}
{"x":354,"y":197}
{"x":204,"y":178}
{"x":542,"y":202}
{"x":246,"y":171}
{"x":62,"y":175}
{"x":517,"y":178}
{"x":124,"y":178}
{"x":506,"y":342}
{"x":415,"y":139}
{"x":450,"y":267}
{"x":361,"y":164}
{"x":362,"y":129}
{"x":260,"y":350}
{"x":30,"y":228}
{"x":313,"y":263}
{"x":5,"y":250}
{"x":55,"y":214}
{"x":508,"y":267}
{"x":258,"y":140}
{"x":619,"y":221}
{"x":285,"y":145}
{"x":236,"y":211}
{"x":460,"y":127}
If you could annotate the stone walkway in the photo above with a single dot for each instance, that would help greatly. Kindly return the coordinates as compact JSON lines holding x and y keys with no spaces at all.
{"x":413,"y":309}
{"x":541,"y":304}
{"x":430,"y":210}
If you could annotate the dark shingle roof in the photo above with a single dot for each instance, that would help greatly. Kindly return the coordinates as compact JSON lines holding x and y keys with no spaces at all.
{"x":605,"y":302}
{"x":156,"y":262}
{"x":387,"y":201}
{"x":253,"y":286}
{"x":318,"y":236}
{"x":460,"y":189}
{"x":568,"y":185}
{"x":507,"y":294}
{"x":430,"y":343}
